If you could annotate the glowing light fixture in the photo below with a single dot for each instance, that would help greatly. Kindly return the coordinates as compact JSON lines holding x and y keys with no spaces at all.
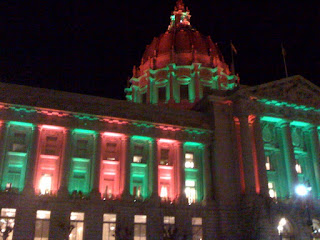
{"x":45,"y":184}
{"x":302,"y":190}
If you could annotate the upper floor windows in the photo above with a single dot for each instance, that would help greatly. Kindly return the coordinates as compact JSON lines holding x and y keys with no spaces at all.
{"x":19,"y":142}
{"x":138,"y":153}
{"x":51,"y":145}
{"x":189,"y":160}
{"x":82,"y":148}
{"x":164,"y":157}
{"x":111,"y":151}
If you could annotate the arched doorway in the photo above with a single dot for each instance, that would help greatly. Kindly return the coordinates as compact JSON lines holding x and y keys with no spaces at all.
{"x":315,"y":229}
{"x":285,"y":230}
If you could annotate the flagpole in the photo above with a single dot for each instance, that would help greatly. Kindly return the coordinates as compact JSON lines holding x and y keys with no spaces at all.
{"x":232,"y":59}
{"x":284,"y":59}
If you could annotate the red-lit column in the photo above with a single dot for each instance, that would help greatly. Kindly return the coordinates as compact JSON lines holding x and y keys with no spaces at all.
{"x":182,"y":178}
{"x":155,"y":172}
{"x":126,"y":172}
{"x":259,"y":146}
{"x":31,"y":165}
{"x":207,"y":171}
{"x":95,"y":193}
{"x":63,"y":189}
{"x":247,"y":157}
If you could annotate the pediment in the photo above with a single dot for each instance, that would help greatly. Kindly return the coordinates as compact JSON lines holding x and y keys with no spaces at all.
{"x":294,"y":89}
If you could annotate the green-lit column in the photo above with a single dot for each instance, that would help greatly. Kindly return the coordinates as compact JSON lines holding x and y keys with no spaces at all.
{"x":182,"y":175}
{"x":31,"y":165}
{"x":287,"y":148}
{"x":314,"y":152}
{"x":208,"y":171}
{"x":3,"y":131}
{"x":97,"y":166}
{"x":63,"y":189}
{"x":260,"y":157}
{"x":247,"y":155}
{"x":126,"y":189}
{"x":154,"y":172}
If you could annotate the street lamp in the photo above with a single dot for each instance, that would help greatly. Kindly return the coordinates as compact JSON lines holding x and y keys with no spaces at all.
{"x":303,"y":190}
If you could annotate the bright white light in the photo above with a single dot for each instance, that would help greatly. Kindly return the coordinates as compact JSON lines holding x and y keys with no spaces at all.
{"x":302,"y":190}
{"x":282,"y":222}
{"x":45,"y":184}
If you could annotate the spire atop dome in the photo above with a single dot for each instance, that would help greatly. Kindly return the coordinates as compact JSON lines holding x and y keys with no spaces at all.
{"x":180,"y":16}
{"x":179,"y":5}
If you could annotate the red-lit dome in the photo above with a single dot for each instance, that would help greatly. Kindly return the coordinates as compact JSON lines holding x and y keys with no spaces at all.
{"x":180,"y":67}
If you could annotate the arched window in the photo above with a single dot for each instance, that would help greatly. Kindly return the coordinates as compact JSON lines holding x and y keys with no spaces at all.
{"x":285,"y":229}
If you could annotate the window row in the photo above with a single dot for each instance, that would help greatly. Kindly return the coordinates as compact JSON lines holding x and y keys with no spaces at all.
{"x":83,"y":150}
{"x":110,"y":229}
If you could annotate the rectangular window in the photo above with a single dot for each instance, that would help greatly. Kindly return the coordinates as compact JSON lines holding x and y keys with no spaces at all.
{"x":138,"y":154}
{"x":19,"y":142}
{"x":51,"y":145}
{"x":140,"y":227}
{"x":189,"y":162}
{"x":298,"y":168}
{"x":82,"y":148}
{"x":272,"y":190}
{"x":168,"y":227}
{"x":197,"y":228}
{"x":42,"y":225}
{"x":184,"y":92}
{"x":7,"y":222}
{"x":76,"y":224}
{"x":162,"y":94}
{"x":190,"y":191}
{"x":110,"y":153}
{"x":164,"y":157}
{"x":109,"y":226}
{"x":268,"y":163}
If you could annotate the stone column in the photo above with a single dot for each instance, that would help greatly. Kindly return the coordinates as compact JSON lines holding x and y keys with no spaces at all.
{"x":196,"y":81}
{"x":287,"y":148}
{"x":31,"y":165}
{"x":248,"y":164}
{"x":3,"y":136}
{"x":63,"y":189}
{"x":154,"y":164}
{"x":171,"y":82}
{"x":182,"y":178}
{"x":207,"y":171}
{"x":263,"y":179}
{"x":126,"y":189}
{"x":314,"y":153}
{"x":95,"y":193}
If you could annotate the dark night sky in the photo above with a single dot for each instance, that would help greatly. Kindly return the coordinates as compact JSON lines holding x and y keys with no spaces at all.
{"x":90,"y":47}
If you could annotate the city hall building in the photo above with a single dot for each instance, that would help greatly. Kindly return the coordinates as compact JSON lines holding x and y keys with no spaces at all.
{"x":192,"y":154}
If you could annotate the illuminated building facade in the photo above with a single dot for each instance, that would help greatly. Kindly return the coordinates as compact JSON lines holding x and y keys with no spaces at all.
{"x":192,"y":154}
